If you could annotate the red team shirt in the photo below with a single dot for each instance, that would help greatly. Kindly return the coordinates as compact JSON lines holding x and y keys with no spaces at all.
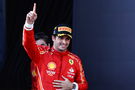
{"x":52,"y":65}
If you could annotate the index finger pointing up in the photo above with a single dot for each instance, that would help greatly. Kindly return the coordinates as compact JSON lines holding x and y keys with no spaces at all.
{"x":34,"y":8}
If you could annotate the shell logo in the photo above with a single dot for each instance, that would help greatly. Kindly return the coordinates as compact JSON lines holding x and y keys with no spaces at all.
{"x":51,"y":65}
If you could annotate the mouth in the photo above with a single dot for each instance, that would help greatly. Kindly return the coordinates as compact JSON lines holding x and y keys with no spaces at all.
{"x":63,"y":46}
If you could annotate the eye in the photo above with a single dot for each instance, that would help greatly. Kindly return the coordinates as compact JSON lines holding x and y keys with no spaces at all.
{"x":67,"y":38}
{"x":61,"y":37}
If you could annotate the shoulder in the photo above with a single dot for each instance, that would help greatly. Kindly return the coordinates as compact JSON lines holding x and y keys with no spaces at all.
{"x":74,"y":57}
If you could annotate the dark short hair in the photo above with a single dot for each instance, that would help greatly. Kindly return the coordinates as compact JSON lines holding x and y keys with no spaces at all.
{"x":41,"y":35}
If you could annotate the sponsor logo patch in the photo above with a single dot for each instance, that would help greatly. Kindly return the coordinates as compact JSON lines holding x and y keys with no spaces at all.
{"x":71,"y":61}
{"x":34,"y":73}
{"x":51,"y":65}
{"x":71,"y":73}
{"x":64,"y":29}
{"x":50,"y":73}
{"x":71,"y":69}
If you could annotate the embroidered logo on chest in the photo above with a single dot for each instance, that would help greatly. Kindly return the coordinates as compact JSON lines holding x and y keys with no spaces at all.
{"x":71,"y":70}
{"x":50,"y":73}
{"x":71,"y":73}
{"x":71,"y":61}
{"x":51,"y":65}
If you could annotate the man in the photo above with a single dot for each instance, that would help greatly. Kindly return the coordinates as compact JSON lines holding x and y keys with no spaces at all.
{"x":42,"y":42}
{"x":59,"y":69}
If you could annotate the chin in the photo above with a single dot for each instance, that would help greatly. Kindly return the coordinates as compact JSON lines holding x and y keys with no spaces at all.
{"x":62,"y":49}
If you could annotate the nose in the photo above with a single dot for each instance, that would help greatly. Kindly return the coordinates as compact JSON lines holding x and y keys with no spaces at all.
{"x":64,"y":41}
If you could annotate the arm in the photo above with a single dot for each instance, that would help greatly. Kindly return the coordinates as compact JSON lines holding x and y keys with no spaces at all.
{"x":28,"y":35}
{"x":80,"y":78}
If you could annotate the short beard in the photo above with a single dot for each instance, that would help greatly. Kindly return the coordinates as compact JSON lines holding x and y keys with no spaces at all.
{"x":61,"y":50}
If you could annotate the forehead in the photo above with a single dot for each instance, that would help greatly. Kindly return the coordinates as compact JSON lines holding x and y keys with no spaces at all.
{"x":40,"y":40}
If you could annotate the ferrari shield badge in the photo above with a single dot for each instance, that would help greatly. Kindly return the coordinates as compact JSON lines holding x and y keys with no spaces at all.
{"x":71,"y":61}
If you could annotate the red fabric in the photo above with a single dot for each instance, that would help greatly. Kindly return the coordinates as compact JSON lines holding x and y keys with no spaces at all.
{"x":53,"y":64}
{"x":35,"y":71}
{"x":35,"y":76}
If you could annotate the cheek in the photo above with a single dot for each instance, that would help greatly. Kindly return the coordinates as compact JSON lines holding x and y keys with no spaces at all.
{"x":68,"y":42}
{"x":57,"y":43}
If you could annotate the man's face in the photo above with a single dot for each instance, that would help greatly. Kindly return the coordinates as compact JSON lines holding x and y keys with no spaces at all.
{"x":41,"y":42}
{"x":61,"y":43}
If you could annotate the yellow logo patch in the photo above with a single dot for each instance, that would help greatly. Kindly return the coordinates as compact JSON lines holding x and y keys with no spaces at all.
{"x":71,"y":61}
{"x":65,"y":29}
{"x":51,"y":65}
{"x":34,"y":73}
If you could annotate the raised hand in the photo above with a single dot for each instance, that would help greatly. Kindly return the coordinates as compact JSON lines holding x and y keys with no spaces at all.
{"x":64,"y":85}
{"x":31,"y":16}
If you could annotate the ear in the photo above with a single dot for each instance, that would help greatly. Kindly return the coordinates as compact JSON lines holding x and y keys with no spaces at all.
{"x":53,"y":38}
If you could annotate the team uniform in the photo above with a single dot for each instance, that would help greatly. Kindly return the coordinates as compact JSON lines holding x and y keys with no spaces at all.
{"x":52,"y":64}
{"x":36,"y":81}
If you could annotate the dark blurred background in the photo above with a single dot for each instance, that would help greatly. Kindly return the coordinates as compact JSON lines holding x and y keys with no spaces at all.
{"x":103,"y":37}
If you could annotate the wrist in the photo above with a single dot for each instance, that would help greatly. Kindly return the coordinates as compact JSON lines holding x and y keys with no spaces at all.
{"x":28,"y":26}
{"x":73,"y":86}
